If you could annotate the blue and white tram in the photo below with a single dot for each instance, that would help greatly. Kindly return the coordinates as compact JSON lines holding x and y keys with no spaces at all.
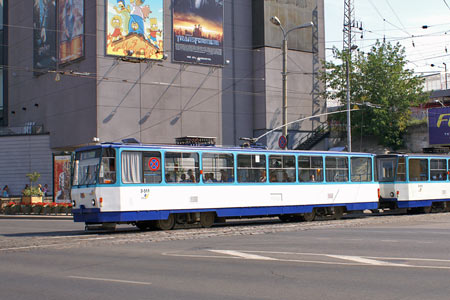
{"x":160,"y":186}
{"x":416,"y":182}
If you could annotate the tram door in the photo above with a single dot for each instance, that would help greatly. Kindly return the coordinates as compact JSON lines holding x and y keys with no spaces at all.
{"x":386,"y":176}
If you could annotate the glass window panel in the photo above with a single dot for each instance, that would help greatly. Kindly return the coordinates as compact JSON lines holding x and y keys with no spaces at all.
{"x":218,"y":168}
{"x":152,"y":167}
{"x":310,"y":168}
{"x":386,"y":169}
{"x":282,"y":168}
{"x":251,"y":168}
{"x":107,"y":173}
{"x":401,"y":169}
{"x":131,"y":167}
{"x":182,"y":167}
{"x":418,"y":169}
{"x":336,"y":169}
{"x":361,"y":169}
{"x":86,"y":167}
{"x":438,"y":169}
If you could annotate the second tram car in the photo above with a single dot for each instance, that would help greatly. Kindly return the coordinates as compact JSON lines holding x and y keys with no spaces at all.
{"x":160,"y":186}
{"x":416,"y":182}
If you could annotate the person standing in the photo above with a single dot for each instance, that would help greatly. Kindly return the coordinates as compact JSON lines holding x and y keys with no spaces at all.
{"x":5,"y":191}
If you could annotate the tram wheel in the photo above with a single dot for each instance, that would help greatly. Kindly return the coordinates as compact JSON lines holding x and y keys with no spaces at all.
{"x":285,"y":218}
{"x":207,"y":219}
{"x":338,"y":212}
{"x":447,"y":206}
{"x":166,"y":224}
{"x":308,"y":217}
{"x":145,"y":225}
{"x":426,"y":210}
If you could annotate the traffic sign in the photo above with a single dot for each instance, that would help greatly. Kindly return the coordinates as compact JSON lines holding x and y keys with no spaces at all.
{"x":282,"y":142}
{"x":153,"y":164}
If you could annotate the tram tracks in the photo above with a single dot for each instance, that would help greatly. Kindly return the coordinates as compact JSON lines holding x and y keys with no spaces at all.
{"x":32,"y":241}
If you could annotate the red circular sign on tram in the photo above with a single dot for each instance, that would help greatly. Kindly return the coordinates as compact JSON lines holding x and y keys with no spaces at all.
{"x":153,"y":164}
{"x":282,"y":142}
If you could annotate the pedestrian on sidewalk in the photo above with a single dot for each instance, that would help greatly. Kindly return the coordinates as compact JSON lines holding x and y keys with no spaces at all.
{"x":5,"y":191}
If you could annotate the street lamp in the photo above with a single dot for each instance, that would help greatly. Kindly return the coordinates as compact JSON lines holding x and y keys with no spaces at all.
{"x":274,"y":20}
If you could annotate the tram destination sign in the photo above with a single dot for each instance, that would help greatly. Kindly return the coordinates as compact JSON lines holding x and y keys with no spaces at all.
{"x":439,"y":126}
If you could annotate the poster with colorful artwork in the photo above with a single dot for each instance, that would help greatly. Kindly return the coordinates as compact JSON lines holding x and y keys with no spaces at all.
{"x":134,"y":28}
{"x":44,"y":34}
{"x":71,"y":30}
{"x":198,"y":31}
{"x":61,"y":178}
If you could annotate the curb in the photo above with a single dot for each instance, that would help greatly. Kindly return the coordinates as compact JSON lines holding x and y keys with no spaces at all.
{"x":33,"y":217}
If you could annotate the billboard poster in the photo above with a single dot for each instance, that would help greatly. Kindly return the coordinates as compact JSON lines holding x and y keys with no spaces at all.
{"x":71,"y":30}
{"x":61,"y":178}
{"x":44,"y":34}
{"x":198,"y":31}
{"x":439,"y":126}
{"x":134,"y":28}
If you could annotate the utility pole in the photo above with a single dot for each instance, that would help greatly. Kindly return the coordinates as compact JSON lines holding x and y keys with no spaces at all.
{"x":349,"y":13}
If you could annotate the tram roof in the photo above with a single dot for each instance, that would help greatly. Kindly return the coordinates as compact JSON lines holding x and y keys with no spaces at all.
{"x":212,"y":148}
{"x":414,"y":154}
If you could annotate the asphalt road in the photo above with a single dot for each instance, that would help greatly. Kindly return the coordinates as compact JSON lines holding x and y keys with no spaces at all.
{"x":382,"y":257}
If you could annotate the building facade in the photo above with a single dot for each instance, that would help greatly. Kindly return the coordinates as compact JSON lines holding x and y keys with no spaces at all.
{"x":81,"y":70}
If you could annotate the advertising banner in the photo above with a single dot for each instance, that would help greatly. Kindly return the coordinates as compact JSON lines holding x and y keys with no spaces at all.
{"x":44,"y":34}
{"x":198,"y":31}
{"x":61,"y":178}
{"x":439,"y":126}
{"x":134,"y":28}
{"x":71,"y":30}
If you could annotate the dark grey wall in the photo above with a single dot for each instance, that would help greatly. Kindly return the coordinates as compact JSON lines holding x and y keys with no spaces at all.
{"x":66,"y":108}
{"x":156,"y":101}
{"x":20,"y":155}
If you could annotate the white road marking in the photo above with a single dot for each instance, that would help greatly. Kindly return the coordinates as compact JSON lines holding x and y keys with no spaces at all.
{"x":243,"y":255}
{"x":110,"y":280}
{"x":363,"y":260}
{"x":352,"y":260}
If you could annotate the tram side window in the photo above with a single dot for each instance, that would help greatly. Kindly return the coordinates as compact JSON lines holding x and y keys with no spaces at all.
{"x":418,"y":169}
{"x":438,"y":169}
{"x":281,"y":168}
{"x":310,"y":168}
{"x":401,"y":169}
{"x":107,"y":174}
{"x":336,"y":169}
{"x":131,"y":167}
{"x":361,"y":170}
{"x":251,"y":168}
{"x":182,"y":167}
{"x":385,"y":169}
{"x":152,"y":167}
{"x":218,"y":167}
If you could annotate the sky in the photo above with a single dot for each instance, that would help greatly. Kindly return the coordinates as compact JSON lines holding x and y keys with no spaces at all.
{"x":397,"y":21}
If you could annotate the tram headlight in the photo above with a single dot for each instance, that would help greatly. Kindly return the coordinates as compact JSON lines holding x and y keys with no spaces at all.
{"x":74,"y":203}
{"x":392,"y":194}
{"x":93,"y":202}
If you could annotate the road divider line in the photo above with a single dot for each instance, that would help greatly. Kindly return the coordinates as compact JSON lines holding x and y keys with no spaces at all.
{"x":367,"y":261}
{"x":110,"y":280}
{"x":243,"y":255}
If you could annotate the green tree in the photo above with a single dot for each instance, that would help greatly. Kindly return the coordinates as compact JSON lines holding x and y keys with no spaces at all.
{"x":379,"y":77}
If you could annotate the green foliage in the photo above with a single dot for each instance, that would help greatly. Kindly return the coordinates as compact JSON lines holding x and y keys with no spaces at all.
{"x":33,"y":176}
{"x":381,"y":78}
{"x":32,"y":191}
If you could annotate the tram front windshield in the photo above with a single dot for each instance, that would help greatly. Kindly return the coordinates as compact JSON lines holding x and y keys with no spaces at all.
{"x":86,"y":167}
